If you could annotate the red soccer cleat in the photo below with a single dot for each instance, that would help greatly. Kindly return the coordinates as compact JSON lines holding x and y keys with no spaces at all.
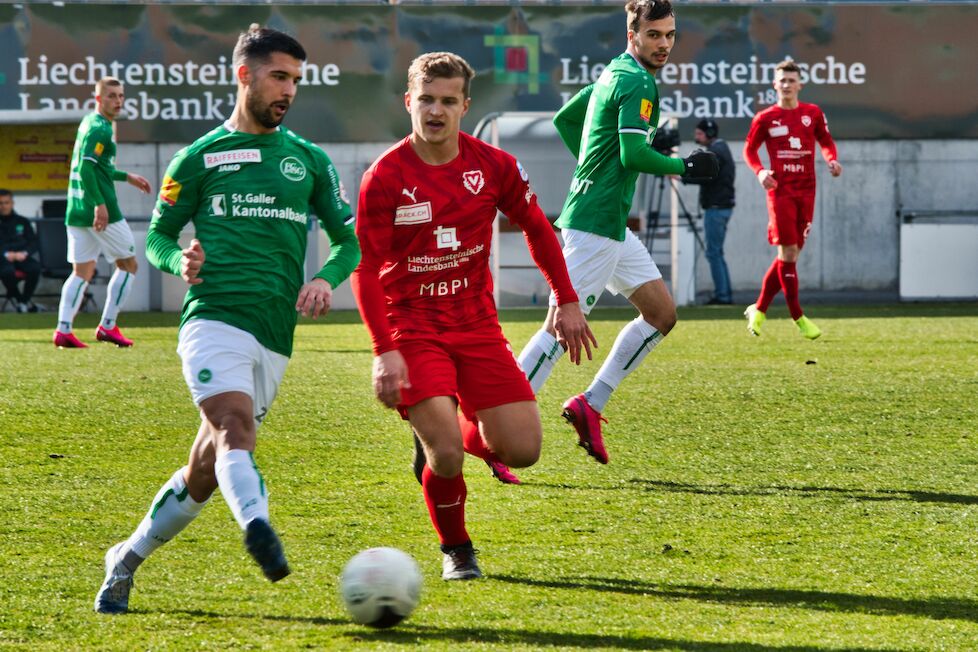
{"x":112,"y":335}
{"x":68,"y":341}
{"x":587,"y":421}
{"x":502,"y":472}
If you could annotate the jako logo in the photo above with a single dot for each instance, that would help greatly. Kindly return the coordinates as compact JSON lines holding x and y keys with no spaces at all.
{"x":516,"y":59}
{"x":292,"y":169}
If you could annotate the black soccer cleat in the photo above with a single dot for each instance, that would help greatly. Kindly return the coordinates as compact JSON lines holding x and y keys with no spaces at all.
{"x":264,"y":546}
{"x":459,"y":562}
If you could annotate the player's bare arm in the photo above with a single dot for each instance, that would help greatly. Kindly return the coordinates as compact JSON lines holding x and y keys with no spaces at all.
{"x":191,"y":262}
{"x":573,"y":331}
{"x":390,"y":374}
{"x":315,"y":298}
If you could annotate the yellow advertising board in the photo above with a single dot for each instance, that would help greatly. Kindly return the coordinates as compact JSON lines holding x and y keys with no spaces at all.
{"x":36,"y":156}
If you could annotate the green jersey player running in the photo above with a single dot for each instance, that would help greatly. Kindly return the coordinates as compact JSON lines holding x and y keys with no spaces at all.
{"x":249,"y":187}
{"x":609,"y":127}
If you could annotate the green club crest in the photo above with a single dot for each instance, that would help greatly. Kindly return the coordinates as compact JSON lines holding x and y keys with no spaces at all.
{"x":205,"y":375}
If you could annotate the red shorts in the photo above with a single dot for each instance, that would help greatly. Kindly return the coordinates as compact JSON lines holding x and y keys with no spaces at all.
{"x":477,"y":366}
{"x":789,"y":218}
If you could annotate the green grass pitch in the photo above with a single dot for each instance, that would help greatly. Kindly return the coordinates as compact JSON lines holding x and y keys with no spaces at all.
{"x":767,"y":495}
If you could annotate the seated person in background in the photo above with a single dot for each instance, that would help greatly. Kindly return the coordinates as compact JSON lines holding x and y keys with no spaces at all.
{"x":18,"y":244}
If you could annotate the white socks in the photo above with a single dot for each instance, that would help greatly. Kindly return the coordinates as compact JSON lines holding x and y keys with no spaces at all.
{"x":120,"y":285}
{"x":171,"y":511}
{"x":72,"y":295}
{"x":635,"y":341}
{"x":242,"y":486}
{"x":538,"y":358}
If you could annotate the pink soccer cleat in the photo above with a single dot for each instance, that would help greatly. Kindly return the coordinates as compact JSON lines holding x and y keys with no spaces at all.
{"x":502,"y":472}
{"x":587,"y":421}
{"x":112,"y":335}
{"x":68,"y":341}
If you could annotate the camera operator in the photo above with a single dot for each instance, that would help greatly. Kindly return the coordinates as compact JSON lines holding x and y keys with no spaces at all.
{"x":717,"y":200}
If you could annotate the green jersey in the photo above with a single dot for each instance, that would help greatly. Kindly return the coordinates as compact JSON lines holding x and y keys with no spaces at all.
{"x":93,"y":172}
{"x":625,"y":99}
{"x":249,"y":197}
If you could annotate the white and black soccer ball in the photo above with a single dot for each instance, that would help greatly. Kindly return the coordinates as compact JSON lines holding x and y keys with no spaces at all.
{"x":380,"y":586}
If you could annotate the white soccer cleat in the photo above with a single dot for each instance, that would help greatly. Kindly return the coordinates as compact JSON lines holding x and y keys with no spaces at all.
{"x":113,"y":597}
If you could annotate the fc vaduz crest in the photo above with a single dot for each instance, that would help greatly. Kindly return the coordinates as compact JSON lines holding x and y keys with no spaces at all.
{"x":473,"y":181}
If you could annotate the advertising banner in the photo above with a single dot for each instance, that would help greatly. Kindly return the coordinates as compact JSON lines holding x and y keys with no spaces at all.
{"x":878,"y":71}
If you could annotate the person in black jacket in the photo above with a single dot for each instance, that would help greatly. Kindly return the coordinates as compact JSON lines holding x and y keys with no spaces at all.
{"x":18,"y":244}
{"x":717,"y":200}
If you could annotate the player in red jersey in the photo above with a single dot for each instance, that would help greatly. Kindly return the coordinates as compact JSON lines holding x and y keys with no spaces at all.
{"x":790,"y":130}
{"x":423,"y":286}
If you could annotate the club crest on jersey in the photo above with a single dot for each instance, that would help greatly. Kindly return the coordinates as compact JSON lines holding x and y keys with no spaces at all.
{"x":473,"y":181}
{"x":806,"y":120}
{"x":645,"y":112}
{"x":292,"y":168}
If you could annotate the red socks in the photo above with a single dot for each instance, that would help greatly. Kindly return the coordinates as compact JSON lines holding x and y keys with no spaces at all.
{"x":780,"y":276}
{"x":445,"y":498}
{"x":769,"y":287}
{"x":472,"y":440}
{"x":789,"y":283}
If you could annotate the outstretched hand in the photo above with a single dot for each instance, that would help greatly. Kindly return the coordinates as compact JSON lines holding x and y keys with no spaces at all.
{"x":192,"y":261}
{"x":573,"y":331}
{"x":139,"y":182}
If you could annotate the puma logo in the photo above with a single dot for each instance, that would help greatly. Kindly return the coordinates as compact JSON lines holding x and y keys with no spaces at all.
{"x":410,"y":193}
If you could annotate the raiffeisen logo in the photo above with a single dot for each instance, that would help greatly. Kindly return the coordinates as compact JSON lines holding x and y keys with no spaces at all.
{"x":516,"y":59}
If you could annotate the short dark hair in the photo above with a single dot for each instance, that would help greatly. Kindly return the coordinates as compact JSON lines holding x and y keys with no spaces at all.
{"x":639,"y":10}
{"x":106,"y":81}
{"x":259,"y":43}
{"x":446,"y":65}
{"x":788,"y":65}
{"x":5,"y":193}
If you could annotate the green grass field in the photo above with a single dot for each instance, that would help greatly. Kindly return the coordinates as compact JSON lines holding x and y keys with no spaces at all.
{"x":768,"y":494}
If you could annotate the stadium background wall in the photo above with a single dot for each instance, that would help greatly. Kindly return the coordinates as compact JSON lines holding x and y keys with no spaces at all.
{"x":905,"y":121}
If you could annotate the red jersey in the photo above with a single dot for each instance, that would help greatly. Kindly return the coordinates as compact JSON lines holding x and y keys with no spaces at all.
{"x":425,"y":233}
{"x":790,"y":136}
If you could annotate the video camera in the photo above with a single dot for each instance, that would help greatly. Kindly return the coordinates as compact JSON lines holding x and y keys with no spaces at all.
{"x":665,"y":139}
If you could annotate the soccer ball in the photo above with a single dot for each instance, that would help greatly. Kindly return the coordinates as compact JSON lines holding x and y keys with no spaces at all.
{"x":380,"y":586}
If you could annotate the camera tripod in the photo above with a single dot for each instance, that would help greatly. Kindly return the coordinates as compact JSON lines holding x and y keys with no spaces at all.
{"x":654,"y":211}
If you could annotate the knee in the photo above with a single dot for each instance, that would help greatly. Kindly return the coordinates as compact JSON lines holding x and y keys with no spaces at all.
{"x":127,"y":265}
{"x":232,"y":430}
{"x":664,"y":321}
{"x":446,"y":461}
{"x":520,"y":453}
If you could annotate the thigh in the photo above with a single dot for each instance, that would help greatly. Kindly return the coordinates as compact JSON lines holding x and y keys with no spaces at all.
{"x":487,"y":370}
{"x":117,"y":242}
{"x":590,"y":261}
{"x":806,"y":212}
{"x":7,"y":268}
{"x":217,"y":359}
{"x":782,"y":220}
{"x":29,"y":266}
{"x":430,"y":368}
{"x":513,"y":432}
{"x":83,"y":246}
{"x":635,"y":267}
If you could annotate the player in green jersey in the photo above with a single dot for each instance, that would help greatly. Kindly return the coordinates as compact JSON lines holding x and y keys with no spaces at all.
{"x":609,"y":126}
{"x":94,"y":222}
{"x":249,"y":187}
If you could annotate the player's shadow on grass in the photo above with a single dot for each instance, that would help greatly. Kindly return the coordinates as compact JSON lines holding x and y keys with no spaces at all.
{"x":518,"y":638}
{"x":201,"y":613}
{"x":933,"y":608}
{"x":869,"y":495}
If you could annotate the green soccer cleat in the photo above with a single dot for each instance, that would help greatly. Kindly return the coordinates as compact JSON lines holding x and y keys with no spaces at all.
{"x":755,"y":319}
{"x":807,"y":327}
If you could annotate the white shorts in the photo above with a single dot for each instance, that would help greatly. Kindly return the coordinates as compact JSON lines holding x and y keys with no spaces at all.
{"x":596,"y":263}
{"x":219,"y":358}
{"x":115,"y":243}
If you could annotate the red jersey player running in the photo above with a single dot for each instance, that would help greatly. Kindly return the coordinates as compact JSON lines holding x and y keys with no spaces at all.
{"x":790,"y":130}
{"x":424,"y":289}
